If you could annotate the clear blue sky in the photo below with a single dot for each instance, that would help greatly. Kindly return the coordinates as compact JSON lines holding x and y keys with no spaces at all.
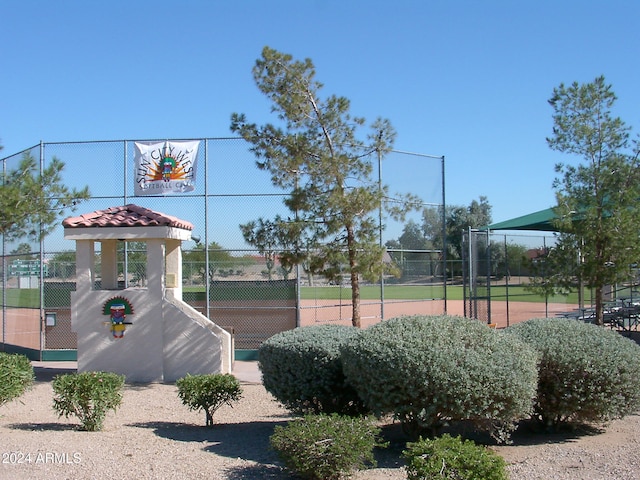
{"x":465,"y":79}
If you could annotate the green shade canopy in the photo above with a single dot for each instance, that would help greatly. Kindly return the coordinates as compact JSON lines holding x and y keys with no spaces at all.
{"x":541,"y":221}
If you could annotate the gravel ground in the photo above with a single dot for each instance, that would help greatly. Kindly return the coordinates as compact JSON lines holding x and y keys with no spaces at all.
{"x":153,"y":436}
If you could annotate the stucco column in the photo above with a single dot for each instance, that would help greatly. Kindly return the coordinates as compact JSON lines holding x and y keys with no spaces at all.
{"x":109,"y":264}
{"x":85,"y":266}
{"x":155,"y":267}
{"x":174,"y":267}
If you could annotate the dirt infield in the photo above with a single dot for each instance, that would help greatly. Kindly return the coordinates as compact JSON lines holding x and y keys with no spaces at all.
{"x":21,"y":325}
{"x":502,"y":313}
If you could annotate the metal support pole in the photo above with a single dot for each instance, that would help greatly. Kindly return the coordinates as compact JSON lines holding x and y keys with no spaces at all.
{"x":506,"y":276}
{"x":207,"y":284}
{"x":41,"y":271}
{"x":473,"y":310}
{"x":298,"y":284}
{"x":444,"y":241}
{"x":546,"y":295}
{"x":125,"y":254}
{"x":488,"y":250}
{"x":4,"y":270}
{"x":124,"y":174}
{"x":380,"y":235}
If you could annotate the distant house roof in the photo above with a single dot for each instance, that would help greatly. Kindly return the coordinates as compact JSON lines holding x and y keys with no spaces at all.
{"x":124,"y":222}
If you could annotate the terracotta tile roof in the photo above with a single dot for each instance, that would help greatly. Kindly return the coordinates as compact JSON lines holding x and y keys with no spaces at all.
{"x":126,"y":216}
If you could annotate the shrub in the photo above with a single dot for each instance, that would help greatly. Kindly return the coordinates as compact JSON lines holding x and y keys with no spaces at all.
{"x":16,"y":376}
{"x":88,"y":396}
{"x":586,"y":373}
{"x":209,"y":392}
{"x":302,"y":369}
{"x":326,"y":447}
{"x":432,"y":370}
{"x":452,"y":457}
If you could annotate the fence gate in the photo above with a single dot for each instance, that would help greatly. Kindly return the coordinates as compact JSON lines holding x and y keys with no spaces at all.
{"x":476,"y":275}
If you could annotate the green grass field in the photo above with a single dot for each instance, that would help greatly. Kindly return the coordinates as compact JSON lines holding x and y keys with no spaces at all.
{"x":372,"y":292}
{"x":21,"y":297}
{"x":516,"y":293}
{"x":29,"y":297}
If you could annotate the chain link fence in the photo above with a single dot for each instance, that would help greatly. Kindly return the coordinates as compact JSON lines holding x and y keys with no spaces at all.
{"x":225,"y":278}
{"x":498,"y":272}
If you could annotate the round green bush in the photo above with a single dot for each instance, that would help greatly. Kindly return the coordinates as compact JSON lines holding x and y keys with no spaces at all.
{"x":586,"y":373}
{"x":209,"y":392}
{"x":452,"y":457}
{"x":88,"y":396}
{"x":326,"y":447}
{"x":302,"y":368}
{"x":432,"y":370}
{"x":16,"y":376}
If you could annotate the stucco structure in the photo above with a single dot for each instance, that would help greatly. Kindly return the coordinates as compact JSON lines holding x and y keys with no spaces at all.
{"x":162,"y":337}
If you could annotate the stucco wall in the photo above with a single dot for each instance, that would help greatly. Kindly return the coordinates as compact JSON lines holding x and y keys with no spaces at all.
{"x":164,"y":342}
{"x":138,"y":355}
{"x":191,"y":344}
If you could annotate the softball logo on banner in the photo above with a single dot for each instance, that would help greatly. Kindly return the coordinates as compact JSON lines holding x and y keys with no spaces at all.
{"x":165,"y":167}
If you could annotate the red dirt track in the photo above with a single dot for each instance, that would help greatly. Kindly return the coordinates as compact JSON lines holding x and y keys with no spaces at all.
{"x":22,"y":325}
{"x":502,"y":314}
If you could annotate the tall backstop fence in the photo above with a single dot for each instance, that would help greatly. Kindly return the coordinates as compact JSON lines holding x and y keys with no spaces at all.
{"x":237,"y":285}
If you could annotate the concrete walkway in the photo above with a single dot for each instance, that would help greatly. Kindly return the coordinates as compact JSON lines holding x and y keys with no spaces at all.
{"x":247,"y":372}
{"x":244,"y":371}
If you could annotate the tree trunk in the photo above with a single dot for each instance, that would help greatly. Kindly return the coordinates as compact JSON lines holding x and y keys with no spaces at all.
{"x":355,"y":300}
{"x":600,"y":251}
{"x":355,"y":285}
{"x":599,"y":306}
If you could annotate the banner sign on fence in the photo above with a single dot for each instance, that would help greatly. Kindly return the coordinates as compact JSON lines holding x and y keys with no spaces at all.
{"x":165,"y":167}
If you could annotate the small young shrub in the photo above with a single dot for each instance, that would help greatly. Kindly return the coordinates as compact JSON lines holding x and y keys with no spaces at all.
{"x":452,"y":457}
{"x":432,"y":370}
{"x":326,"y":447}
{"x":209,"y":392}
{"x":586,"y":374}
{"x":88,"y":396}
{"x":302,"y":369}
{"x":16,"y":376}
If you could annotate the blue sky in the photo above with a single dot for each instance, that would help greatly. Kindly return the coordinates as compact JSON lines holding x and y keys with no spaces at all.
{"x":468,"y":80}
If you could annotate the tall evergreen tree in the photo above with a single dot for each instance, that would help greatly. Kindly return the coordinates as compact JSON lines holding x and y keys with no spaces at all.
{"x":598,"y":205}
{"x":316,"y":154}
{"x":32,"y":200}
